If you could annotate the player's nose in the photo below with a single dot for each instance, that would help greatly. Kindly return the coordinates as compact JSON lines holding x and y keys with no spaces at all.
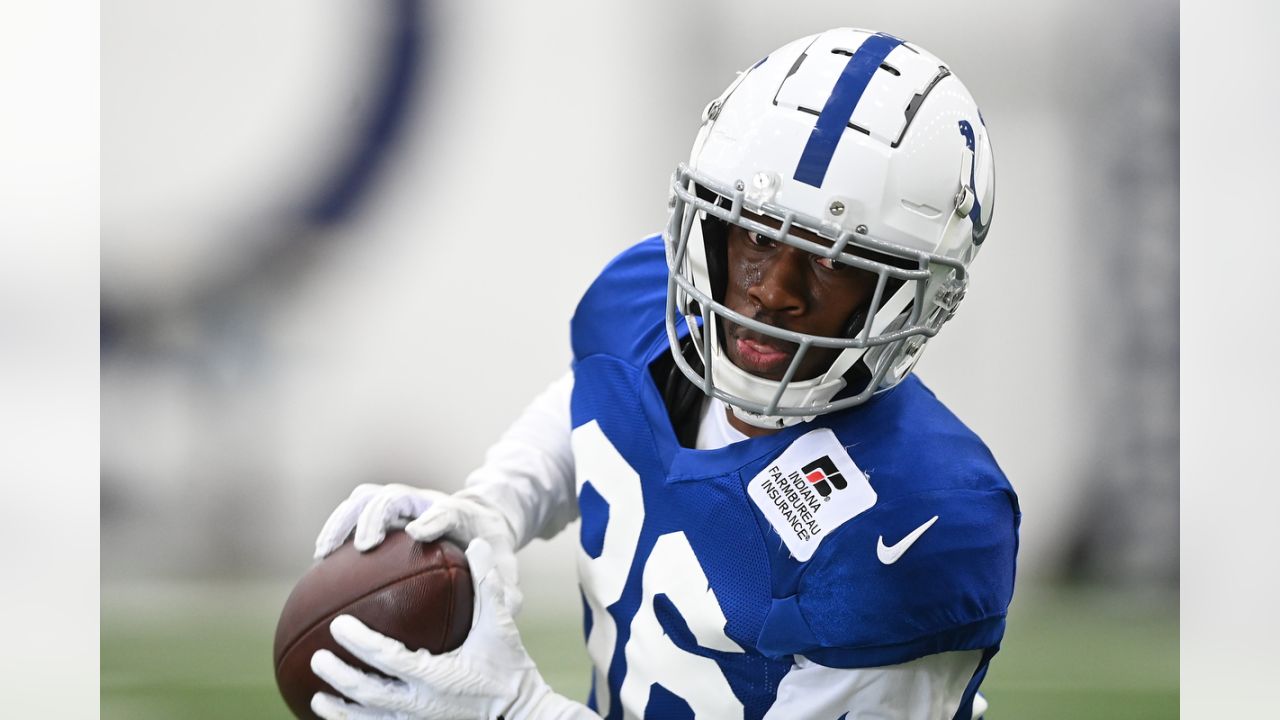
{"x":781,"y":287}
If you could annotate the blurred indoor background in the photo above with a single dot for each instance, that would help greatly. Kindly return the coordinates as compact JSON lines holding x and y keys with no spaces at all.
{"x":341,"y":243}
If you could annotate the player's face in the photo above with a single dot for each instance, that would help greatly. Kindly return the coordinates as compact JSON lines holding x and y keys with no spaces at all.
{"x":792,"y":289}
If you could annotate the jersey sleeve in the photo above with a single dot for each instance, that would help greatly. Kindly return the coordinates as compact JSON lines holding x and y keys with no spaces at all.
{"x":528,"y":475}
{"x":879,"y":591}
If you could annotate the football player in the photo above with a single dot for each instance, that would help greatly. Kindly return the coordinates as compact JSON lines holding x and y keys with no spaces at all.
{"x":778,"y":519}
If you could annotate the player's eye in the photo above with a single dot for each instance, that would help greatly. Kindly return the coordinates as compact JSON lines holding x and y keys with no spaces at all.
{"x":828,"y":264}
{"x":759,"y":240}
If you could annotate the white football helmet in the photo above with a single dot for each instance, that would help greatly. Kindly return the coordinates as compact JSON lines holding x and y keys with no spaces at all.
{"x":866,"y":141}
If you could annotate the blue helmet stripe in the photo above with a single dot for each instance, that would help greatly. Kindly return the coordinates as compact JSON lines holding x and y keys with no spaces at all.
{"x":838,"y":111}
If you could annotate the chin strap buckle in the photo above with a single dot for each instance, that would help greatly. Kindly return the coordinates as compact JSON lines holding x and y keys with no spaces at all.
{"x":948,"y":298}
{"x":908,"y":357}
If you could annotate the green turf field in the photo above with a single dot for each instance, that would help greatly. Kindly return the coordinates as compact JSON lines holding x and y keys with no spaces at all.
{"x":196,"y":652}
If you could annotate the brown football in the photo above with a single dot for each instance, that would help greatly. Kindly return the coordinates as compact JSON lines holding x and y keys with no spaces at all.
{"x":417,"y":593}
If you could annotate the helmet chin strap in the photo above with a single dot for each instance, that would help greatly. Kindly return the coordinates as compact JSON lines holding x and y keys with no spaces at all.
{"x":798,"y":393}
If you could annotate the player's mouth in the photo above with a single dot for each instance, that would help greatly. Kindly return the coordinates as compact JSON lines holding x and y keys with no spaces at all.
{"x":762,"y":356}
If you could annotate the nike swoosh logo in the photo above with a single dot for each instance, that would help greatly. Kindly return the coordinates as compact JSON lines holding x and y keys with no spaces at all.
{"x":889,"y":554}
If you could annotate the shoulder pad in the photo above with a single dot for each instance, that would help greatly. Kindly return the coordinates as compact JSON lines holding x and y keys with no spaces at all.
{"x":895,"y":584}
{"x":622,"y":313}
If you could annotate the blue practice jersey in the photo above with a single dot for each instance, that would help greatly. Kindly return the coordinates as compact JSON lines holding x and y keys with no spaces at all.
{"x":864,"y":538}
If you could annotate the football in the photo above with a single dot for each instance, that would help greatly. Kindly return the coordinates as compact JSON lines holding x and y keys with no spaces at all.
{"x":417,"y":593}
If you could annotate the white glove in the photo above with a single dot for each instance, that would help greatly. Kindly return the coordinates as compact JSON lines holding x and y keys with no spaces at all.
{"x":980,"y":706}
{"x":425,"y":515}
{"x":490,"y":676}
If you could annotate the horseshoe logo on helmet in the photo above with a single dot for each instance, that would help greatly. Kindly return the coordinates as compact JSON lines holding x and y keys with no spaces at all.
{"x":975,"y":213}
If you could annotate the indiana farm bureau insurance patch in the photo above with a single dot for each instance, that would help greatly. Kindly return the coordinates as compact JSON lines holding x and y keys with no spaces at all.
{"x":809,"y":490}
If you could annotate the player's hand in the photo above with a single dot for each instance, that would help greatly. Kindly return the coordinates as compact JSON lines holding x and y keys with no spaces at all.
{"x":491,"y":675}
{"x":426,"y":515}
